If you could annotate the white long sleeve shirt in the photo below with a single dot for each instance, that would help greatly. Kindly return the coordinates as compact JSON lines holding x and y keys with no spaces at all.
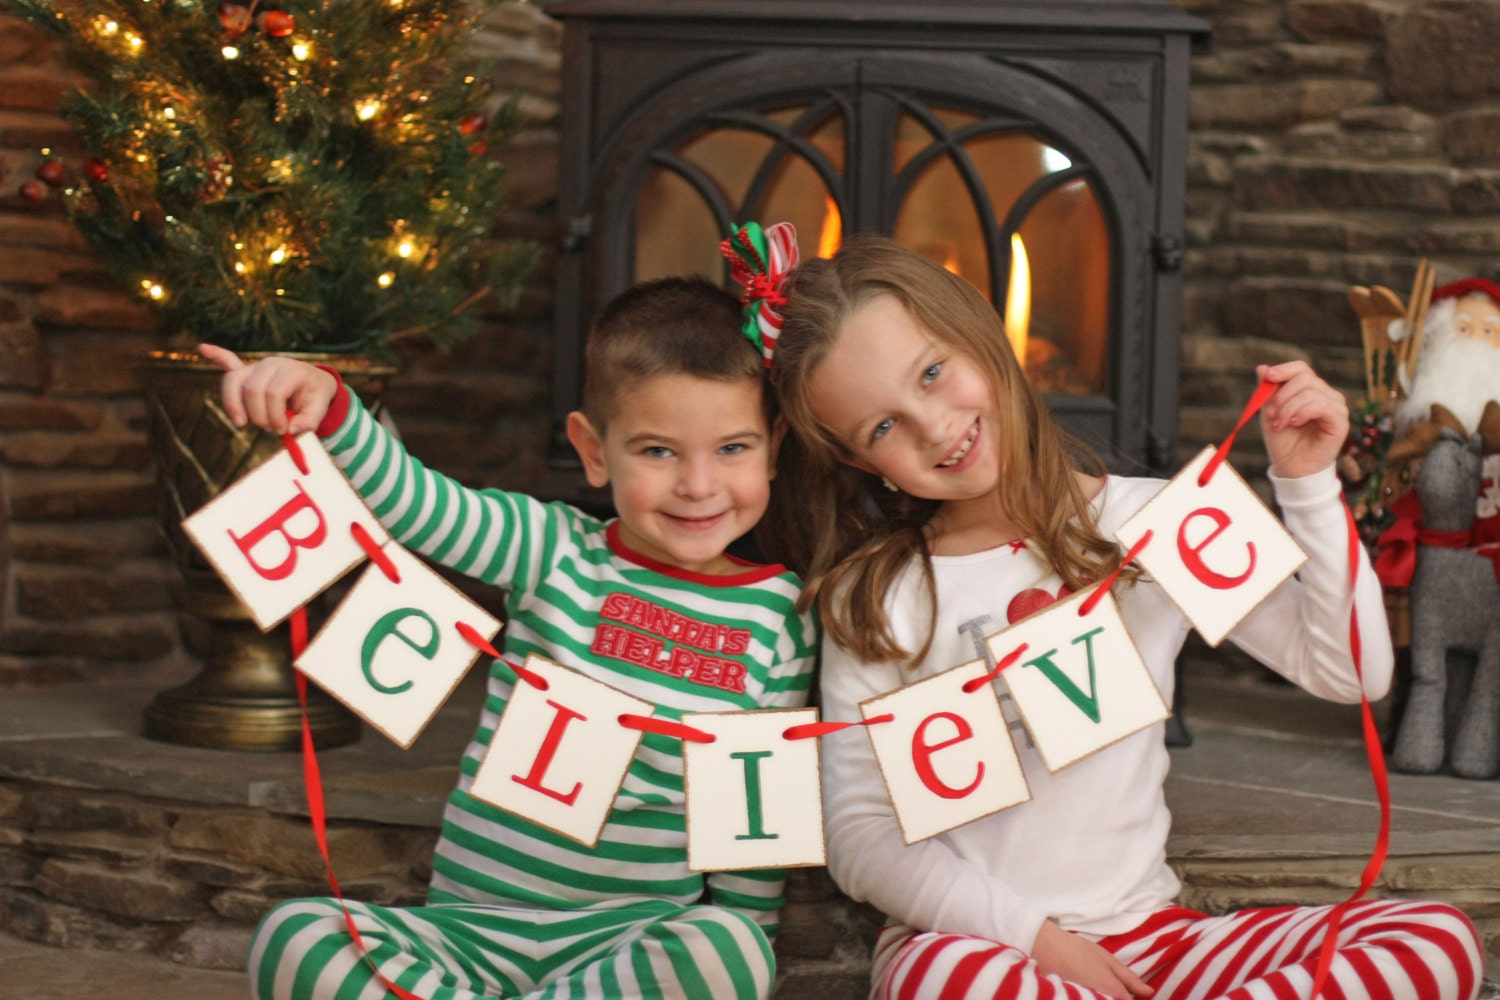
{"x":1089,"y":849}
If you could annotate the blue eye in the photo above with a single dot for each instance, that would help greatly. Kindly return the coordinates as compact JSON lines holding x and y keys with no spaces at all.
{"x":931,"y":374}
{"x":738,"y":448}
{"x":881,"y":428}
{"x":657,"y":451}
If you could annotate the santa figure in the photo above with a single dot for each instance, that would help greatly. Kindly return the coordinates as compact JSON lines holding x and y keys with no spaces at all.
{"x":1458,"y":366}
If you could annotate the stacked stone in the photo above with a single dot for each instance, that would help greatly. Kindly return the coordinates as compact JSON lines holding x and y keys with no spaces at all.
{"x":1332,"y":143}
{"x":122,"y":872}
{"x":119,"y":871}
{"x":85,"y":581}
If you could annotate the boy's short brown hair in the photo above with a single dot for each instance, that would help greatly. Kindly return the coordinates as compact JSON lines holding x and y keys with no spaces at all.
{"x":671,"y":326}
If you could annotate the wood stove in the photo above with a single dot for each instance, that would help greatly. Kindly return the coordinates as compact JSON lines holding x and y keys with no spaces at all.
{"x":1037,"y":149}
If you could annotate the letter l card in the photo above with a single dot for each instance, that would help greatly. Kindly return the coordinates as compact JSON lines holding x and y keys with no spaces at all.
{"x":559,"y":756}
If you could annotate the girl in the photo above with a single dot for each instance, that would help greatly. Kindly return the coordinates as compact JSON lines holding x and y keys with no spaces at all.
{"x":932,"y":489}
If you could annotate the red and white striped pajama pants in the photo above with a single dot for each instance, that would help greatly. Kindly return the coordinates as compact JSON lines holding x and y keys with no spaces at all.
{"x":1387,"y":950}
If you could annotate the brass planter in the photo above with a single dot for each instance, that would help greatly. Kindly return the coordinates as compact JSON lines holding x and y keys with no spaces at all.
{"x":245,"y":697}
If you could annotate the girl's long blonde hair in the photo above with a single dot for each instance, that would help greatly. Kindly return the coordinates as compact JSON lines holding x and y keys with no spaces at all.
{"x":850,"y":538}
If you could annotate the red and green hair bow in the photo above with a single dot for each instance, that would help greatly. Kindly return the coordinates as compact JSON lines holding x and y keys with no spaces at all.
{"x":762,"y":260}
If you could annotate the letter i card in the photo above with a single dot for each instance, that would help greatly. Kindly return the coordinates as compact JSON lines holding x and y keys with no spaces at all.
{"x":946,"y":755}
{"x":558,"y":756}
{"x":754,"y":798}
{"x":392,"y":651}
{"x":1216,"y":550}
{"x":279,"y":536}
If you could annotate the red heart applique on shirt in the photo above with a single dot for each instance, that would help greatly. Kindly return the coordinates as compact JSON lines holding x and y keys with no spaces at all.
{"x":1031,"y":600}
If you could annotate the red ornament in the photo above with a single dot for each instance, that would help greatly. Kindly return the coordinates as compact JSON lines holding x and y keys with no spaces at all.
{"x":277,"y":23}
{"x":32,"y":191}
{"x":234,"y":19}
{"x":51,"y":172}
{"x":95,"y":169}
{"x":469,"y":124}
{"x":479,"y":148}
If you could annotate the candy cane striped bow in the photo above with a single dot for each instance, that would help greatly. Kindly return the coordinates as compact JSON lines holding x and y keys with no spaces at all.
{"x":762,"y":261}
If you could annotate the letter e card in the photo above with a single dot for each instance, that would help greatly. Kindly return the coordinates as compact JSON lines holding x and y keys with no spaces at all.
{"x":754,"y":798}
{"x":1216,"y":549}
{"x":280,"y":536}
{"x":1081,"y":683}
{"x":945,"y":754}
{"x":392,"y":651}
{"x":559,"y":755}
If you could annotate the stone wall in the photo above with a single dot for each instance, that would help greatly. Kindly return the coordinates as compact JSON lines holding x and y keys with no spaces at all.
{"x":1332,"y":143}
{"x":124,"y":872}
{"x":84,"y":580}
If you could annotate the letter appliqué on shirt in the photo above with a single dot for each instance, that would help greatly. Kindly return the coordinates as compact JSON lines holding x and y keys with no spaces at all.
{"x":648,"y":635}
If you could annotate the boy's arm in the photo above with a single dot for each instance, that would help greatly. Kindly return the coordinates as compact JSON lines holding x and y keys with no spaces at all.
{"x":478,"y":533}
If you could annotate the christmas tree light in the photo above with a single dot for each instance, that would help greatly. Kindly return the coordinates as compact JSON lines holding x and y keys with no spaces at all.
{"x":272,"y":164}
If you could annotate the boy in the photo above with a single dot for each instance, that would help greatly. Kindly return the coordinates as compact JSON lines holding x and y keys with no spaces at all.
{"x":675,"y":421}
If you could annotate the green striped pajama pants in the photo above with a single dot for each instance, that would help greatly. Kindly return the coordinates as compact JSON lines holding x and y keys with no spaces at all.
{"x":463,"y":951}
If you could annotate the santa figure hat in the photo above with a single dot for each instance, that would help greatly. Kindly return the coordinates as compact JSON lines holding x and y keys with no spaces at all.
{"x":1458,"y":289}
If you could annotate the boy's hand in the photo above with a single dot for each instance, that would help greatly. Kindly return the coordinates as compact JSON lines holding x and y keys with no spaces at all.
{"x":262,"y":393}
{"x":1081,"y":961}
{"x":1306,"y":420}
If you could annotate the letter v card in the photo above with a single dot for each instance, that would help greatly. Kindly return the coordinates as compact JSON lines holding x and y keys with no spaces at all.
{"x":1081,"y":683}
{"x":392,"y":651}
{"x":754,"y":798}
{"x":1216,"y":550}
{"x":279,"y":537}
{"x":946,"y":755}
{"x":559,"y":756}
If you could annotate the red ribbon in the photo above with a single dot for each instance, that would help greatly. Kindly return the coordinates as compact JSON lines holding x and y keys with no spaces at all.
{"x":376,"y":554}
{"x":1263,"y":392}
{"x":812,"y":730}
{"x":1377,"y":772}
{"x":666,"y":727}
{"x":312,"y":779}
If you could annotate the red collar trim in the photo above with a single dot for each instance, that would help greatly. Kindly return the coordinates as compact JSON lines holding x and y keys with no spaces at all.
{"x":754,"y":572}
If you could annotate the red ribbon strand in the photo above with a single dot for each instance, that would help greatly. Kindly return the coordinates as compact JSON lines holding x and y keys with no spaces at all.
{"x":1263,"y":392}
{"x":665,"y":727}
{"x":812,"y":730}
{"x":1377,"y":772}
{"x":312,"y":779}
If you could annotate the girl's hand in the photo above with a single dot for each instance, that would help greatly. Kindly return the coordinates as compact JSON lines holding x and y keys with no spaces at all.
{"x":1081,"y":961}
{"x":1306,"y":420}
{"x":262,"y":393}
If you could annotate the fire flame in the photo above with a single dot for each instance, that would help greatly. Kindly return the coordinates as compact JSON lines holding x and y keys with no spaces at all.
{"x":1018,"y":299}
{"x":832,"y":234}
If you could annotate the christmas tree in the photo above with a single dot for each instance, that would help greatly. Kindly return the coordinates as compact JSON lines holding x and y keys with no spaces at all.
{"x":309,"y":177}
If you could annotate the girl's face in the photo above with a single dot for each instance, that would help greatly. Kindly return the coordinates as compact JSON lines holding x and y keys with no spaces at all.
{"x":908,"y":407}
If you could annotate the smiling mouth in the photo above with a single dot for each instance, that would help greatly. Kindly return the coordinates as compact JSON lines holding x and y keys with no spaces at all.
{"x":705,"y":521}
{"x":963,"y":448}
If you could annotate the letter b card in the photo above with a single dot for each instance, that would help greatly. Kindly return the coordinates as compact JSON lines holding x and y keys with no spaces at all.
{"x":279,"y":536}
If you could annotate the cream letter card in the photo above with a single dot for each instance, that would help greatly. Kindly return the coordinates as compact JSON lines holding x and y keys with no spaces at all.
{"x":1216,"y":550}
{"x":754,"y":799}
{"x":392,"y":651}
{"x":945,"y":755}
{"x":559,"y":756}
{"x":279,"y":536}
{"x":1081,"y":683}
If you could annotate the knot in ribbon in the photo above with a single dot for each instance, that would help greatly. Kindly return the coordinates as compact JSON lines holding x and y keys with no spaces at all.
{"x":762,"y":261}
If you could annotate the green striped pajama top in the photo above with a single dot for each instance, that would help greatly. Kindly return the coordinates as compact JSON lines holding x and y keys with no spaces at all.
{"x":575,"y":595}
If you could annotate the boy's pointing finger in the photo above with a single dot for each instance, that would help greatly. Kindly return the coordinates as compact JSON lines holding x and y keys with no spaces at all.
{"x":225,"y":359}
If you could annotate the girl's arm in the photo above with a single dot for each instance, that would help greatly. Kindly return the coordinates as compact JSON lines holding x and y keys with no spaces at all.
{"x":1302,"y":630}
{"x":924,"y":885}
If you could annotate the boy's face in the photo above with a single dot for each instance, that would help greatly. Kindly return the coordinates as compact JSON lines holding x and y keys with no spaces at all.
{"x":689,"y":462}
